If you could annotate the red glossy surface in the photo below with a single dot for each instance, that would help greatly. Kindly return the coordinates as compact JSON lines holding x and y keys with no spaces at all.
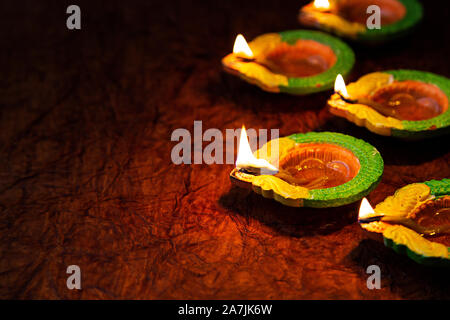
{"x":433,"y":214}
{"x":305,"y":58}
{"x":320,"y":166}
{"x":412,"y":100}
{"x":356,"y":10}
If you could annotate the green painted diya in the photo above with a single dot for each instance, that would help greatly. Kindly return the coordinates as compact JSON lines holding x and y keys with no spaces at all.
{"x":428,"y":204}
{"x":295,"y":62}
{"x":315,"y":169}
{"x":401,"y":103}
{"x":349,"y":18}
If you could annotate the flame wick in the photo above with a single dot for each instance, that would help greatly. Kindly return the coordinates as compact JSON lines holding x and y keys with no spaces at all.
{"x":241,"y":48}
{"x":340,"y":87}
{"x":245,"y":157}
{"x":322,"y":4}
{"x":365,"y":209}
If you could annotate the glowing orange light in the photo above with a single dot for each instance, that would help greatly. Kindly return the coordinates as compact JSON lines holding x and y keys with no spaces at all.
{"x":365,"y":209}
{"x":246,"y":158}
{"x":339,"y":86}
{"x":322,"y":4}
{"x":241,"y":47}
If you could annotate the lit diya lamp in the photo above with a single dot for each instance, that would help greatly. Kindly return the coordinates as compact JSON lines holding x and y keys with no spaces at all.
{"x":414,"y":221}
{"x":400,"y":103}
{"x":296,"y":62}
{"x":315,"y":169}
{"x":352,"y":18}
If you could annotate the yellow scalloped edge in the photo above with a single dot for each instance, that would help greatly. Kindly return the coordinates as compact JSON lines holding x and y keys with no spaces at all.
{"x":363,"y":115}
{"x":368,"y":84}
{"x":407,"y":237}
{"x":264,"y":43}
{"x":333,"y":22}
{"x":269,"y":182}
{"x":273,"y":184}
{"x":280,"y":187}
{"x":282,"y":144}
{"x":254,"y":72}
{"x":405,"y":200}
{"x":403,"y":203}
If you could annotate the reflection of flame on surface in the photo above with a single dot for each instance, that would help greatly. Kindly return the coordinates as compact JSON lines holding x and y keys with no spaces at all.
{"x":339,"y":86}
{"x":241,"y":47}
{"x":365,"y":209}
{"x":245,"y":157}
{"x":322,"y":4}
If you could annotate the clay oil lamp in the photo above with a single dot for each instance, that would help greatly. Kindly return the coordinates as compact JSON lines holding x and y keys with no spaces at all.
{"x":414,"y":221}
{"x":401,"y":103}
{"x":315,"y":169}
{"x":348,"y":18}
{"x":295,"y":62}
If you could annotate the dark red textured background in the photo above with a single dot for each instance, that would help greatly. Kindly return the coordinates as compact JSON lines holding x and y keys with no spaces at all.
{"x":85,"y":172}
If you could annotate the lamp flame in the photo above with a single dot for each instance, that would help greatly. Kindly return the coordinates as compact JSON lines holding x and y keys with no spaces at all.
{"x":365,"y":209}
{"x":339,"y":86}
{"x":322,"y":4}
{"x":241,"y":47}
{"x":245,"y":157}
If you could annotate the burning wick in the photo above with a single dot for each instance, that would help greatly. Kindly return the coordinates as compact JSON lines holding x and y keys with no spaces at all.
{"x":341,"y":89}
{"x":366,"y":209}
{"x":247,"y":161}
{"x":322,"y":5}
{"x":242,"y":49}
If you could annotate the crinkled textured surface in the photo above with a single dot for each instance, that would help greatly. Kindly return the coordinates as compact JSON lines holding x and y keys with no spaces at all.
{"x":86,"y":177}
